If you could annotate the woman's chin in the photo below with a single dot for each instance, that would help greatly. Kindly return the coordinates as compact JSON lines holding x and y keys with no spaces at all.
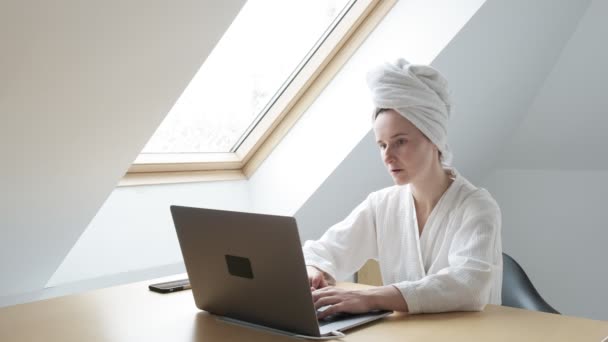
{"x":400,"y":180}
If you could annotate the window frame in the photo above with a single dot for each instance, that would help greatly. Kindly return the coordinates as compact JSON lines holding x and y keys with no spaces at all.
{"x":302,"y":91}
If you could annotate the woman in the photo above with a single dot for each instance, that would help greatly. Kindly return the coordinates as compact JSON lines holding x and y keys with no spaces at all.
{"x":436,"y":236}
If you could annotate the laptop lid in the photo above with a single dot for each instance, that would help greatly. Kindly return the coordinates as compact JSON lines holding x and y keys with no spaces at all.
{"x":249,"y":267}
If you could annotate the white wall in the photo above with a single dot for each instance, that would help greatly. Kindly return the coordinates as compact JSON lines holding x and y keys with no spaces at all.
{"x":132,"y":238}
{"x":551,"y":178}
{"x":134,"y":231}
{"x":554,"y":225}
{"x":565,"y":127}
{"x":83,"y":86}
{"x":495,"y":67}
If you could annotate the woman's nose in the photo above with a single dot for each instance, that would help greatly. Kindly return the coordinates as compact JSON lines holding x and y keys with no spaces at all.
{"x":388,"y":155}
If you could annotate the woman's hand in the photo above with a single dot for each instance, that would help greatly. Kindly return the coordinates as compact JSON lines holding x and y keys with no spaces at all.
{"x":317,"y":278}
{"x":340,"y":300}
{"x":358,"y":301}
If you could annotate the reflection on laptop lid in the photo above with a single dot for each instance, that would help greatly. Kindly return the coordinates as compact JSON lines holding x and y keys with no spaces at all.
{"x":250,"y":268}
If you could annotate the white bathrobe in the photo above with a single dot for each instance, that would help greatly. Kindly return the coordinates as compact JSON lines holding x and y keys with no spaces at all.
{"x":454,"y":265}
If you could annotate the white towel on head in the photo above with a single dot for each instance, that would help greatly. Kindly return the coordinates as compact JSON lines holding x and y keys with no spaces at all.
{"x":417,"y":92}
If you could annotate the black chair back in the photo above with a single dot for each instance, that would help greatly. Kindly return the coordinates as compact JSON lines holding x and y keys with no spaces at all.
{"x":517,"y":289}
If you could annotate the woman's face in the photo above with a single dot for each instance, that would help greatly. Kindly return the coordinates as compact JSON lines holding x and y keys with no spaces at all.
{"x":407,"y":153}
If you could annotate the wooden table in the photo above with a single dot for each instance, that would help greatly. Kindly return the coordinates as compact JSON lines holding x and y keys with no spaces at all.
{"x":132,"y":313}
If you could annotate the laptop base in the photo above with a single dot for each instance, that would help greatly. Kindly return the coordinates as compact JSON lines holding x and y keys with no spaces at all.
{"x":328,"y":336}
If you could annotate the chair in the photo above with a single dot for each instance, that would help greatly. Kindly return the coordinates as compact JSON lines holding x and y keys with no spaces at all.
{"x":517,"y":289}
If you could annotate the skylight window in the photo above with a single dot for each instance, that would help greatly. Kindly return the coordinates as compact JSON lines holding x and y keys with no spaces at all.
{"x":268,"y":68}
{"x":264,"y":48}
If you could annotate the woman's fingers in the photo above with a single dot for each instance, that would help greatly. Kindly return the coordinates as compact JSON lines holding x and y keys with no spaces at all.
{"x":329,"y":300}
{"x":316,"y":278}
{"x":340,"y":300}
{"x":332,"y":309}
{"x":322,"y":292}
{"x":318,"y":281}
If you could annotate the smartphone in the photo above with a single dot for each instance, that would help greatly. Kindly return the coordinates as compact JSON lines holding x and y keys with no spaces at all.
{"x":170,"y":286}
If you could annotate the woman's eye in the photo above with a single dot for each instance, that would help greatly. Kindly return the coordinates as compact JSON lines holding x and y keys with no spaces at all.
{"x":401,"y":141}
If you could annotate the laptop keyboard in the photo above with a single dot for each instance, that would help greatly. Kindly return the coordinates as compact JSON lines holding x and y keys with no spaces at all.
{"x":335,"y":317}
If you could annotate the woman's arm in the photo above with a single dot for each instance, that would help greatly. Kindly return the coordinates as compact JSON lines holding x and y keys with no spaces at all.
{"x":347,"y":245}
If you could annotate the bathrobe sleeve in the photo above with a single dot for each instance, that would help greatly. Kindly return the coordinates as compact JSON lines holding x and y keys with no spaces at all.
{"x":347,"y":245}
{"x":473,"y":257}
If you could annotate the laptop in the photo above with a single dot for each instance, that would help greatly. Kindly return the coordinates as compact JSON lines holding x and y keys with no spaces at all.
{"x":249,"y":269}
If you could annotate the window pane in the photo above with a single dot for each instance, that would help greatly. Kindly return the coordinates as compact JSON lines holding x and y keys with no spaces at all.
{"x":255,"y":57}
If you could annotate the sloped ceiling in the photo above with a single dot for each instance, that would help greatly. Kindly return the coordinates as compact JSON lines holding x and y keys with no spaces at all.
{"x":496,"y":66}
{"x":565,"y":128}
{"x":84,"y":84}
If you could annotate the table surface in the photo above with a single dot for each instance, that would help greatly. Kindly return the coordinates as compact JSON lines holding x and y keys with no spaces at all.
{"x":133,"y":313}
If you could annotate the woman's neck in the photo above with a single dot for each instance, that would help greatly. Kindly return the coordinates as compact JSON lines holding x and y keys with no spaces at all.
{"x":428,"y":190}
